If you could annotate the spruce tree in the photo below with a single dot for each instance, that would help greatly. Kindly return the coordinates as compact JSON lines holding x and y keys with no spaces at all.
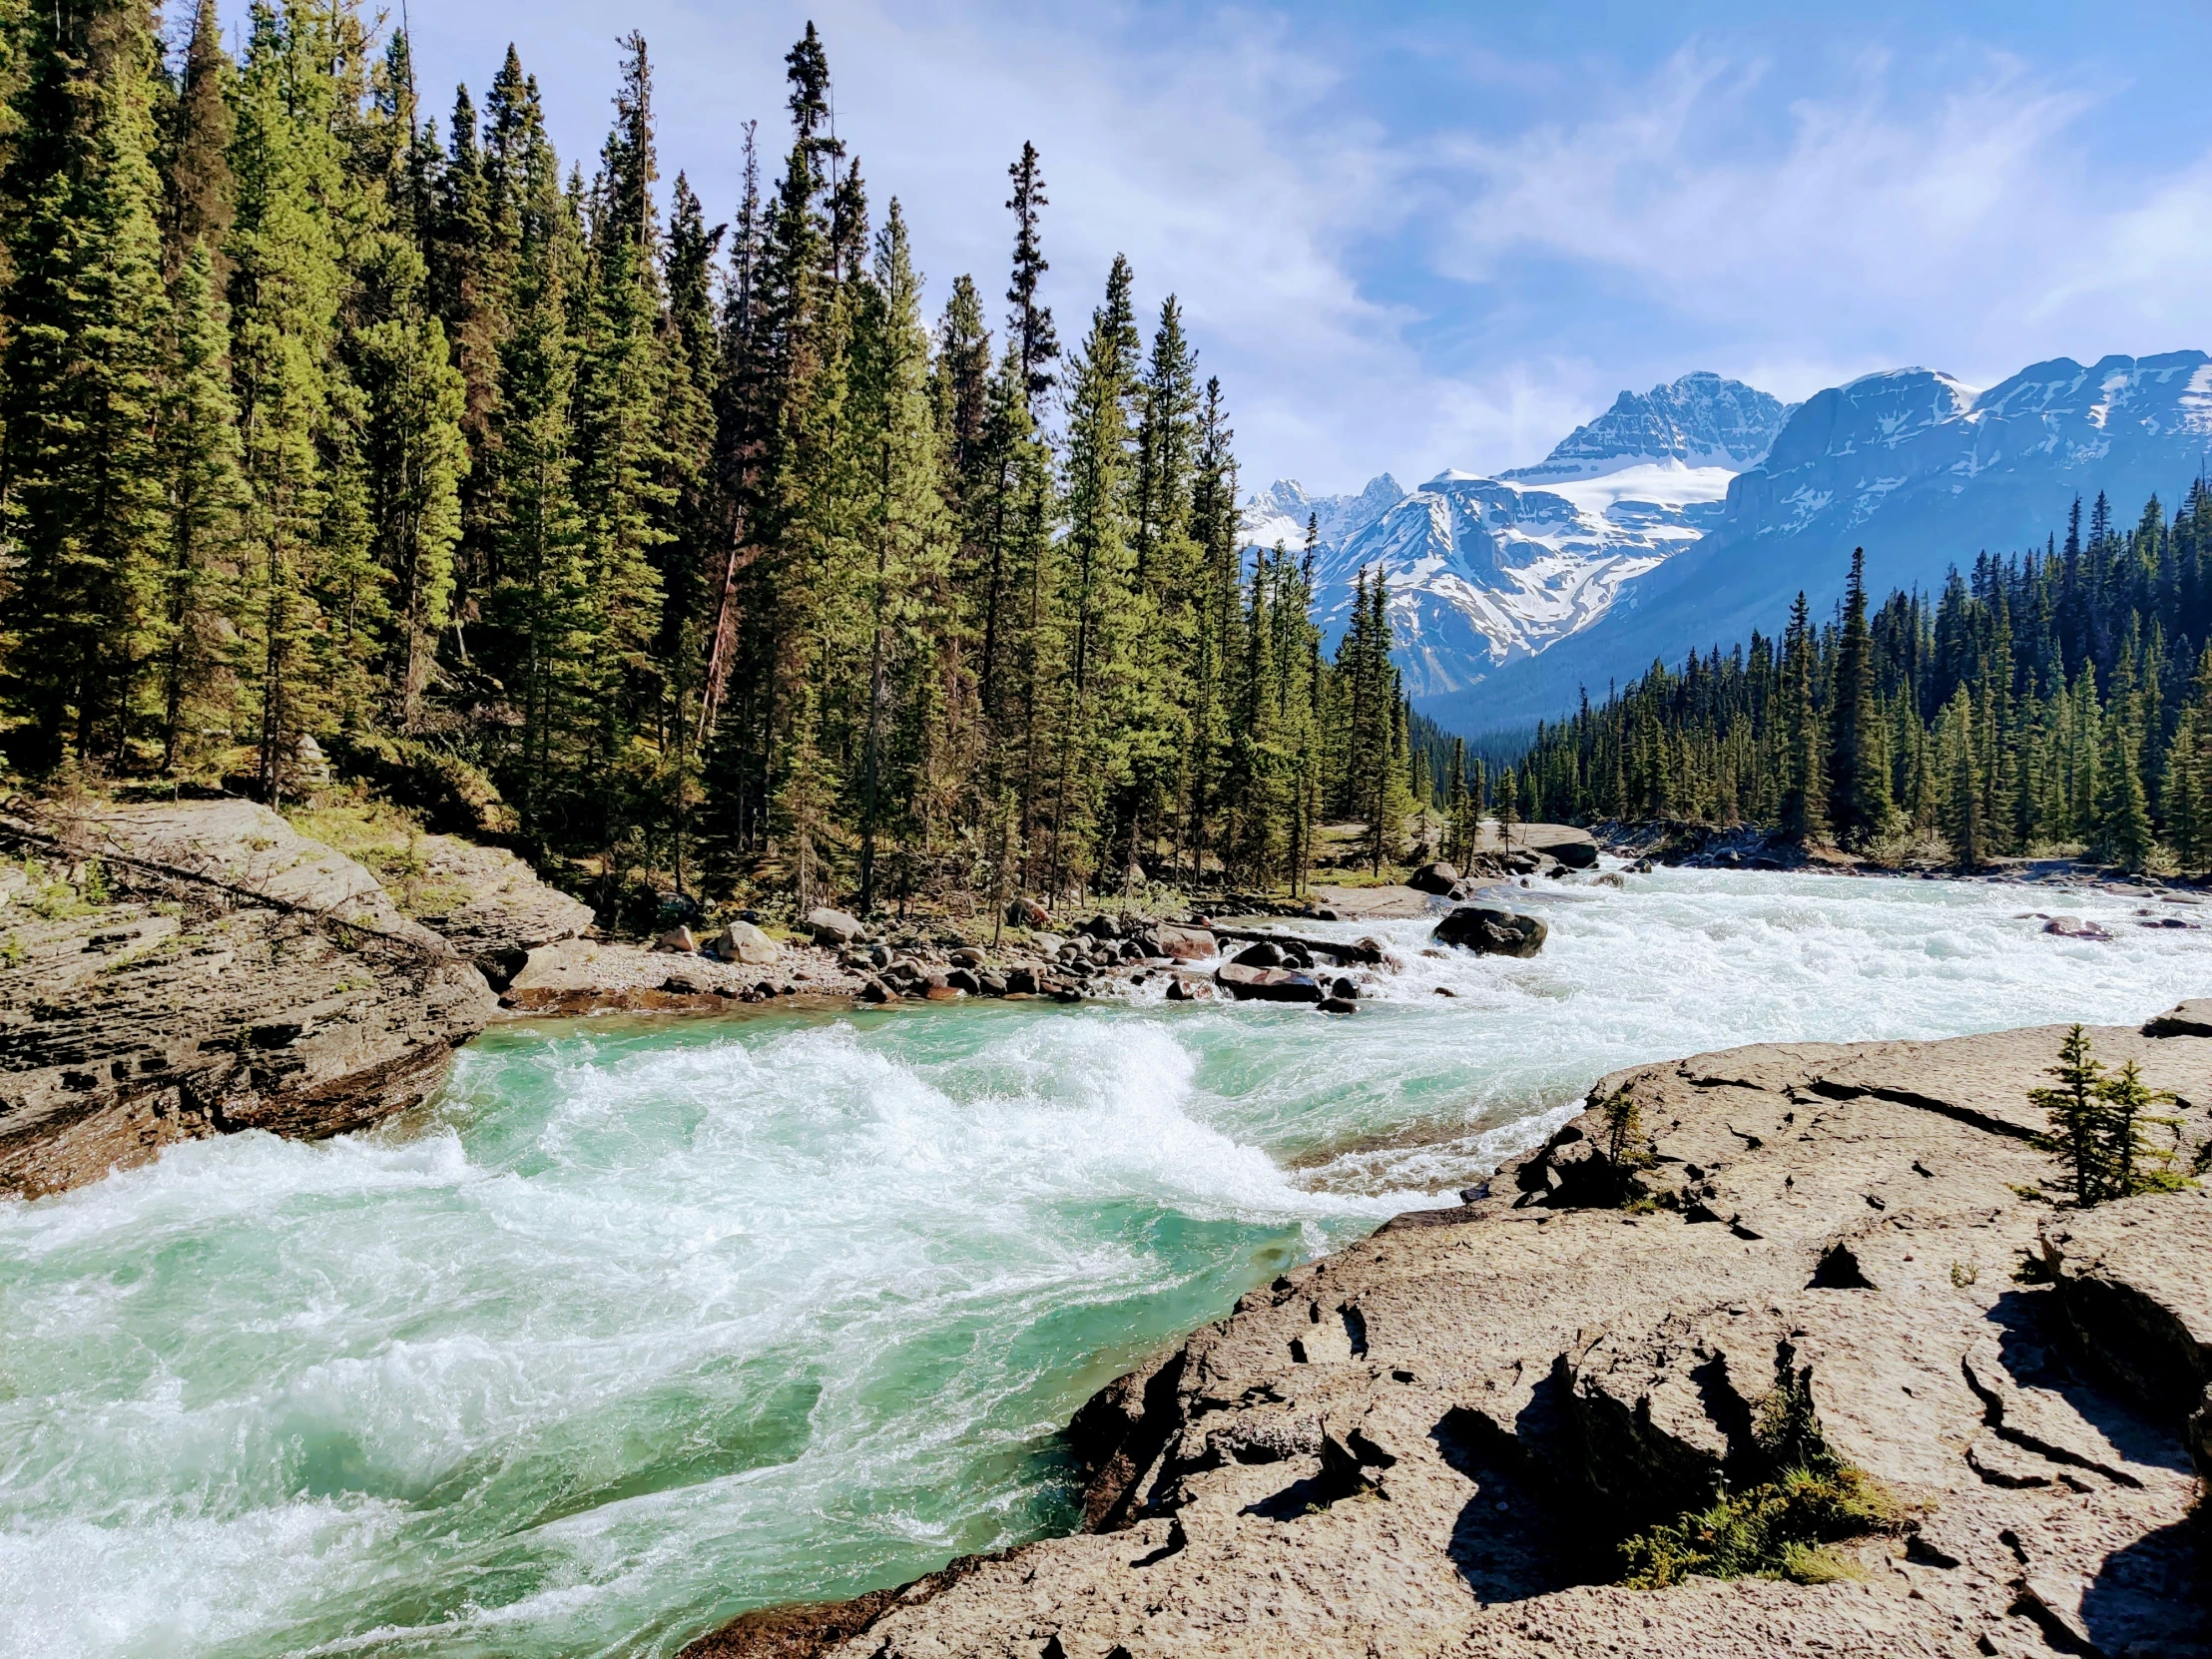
{"x":199,"y":457}
{"x":83,"y":372}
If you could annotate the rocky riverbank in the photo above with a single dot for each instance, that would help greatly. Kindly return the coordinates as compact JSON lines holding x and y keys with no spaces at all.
{"x":1434,"y":1442}
{"x":175,"y":970}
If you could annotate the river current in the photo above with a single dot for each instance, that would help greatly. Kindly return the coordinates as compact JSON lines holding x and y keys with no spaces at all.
{"x":645,"y":1321}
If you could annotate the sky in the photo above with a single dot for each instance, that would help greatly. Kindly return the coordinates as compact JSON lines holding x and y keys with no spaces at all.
{"x":1415,"y":237}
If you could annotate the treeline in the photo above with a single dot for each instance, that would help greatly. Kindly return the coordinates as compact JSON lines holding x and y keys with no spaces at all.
{"x":687,"y":546}
{"x":2058,"y":699}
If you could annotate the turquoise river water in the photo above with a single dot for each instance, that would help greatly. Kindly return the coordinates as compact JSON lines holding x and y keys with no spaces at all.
{"x":647,"y":1321}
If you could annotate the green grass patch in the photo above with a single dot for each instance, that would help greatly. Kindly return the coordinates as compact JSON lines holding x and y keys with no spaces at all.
{"x":1780,"y":1529}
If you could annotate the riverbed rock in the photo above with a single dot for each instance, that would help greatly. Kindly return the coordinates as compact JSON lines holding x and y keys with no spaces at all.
{"x":1266,"y":954}
{"x":679,"y":941}
{"x":209,"y":970}
{"x":2074,"y":927}
{"x":741,"y":941}
{"x":1494,"y":933}
{"x":1437,"y":879}
{"x":1430,"y":1442}
{"x":834,"y":928}
{"x":1267,"y":985}
{"x":1187,"y":944}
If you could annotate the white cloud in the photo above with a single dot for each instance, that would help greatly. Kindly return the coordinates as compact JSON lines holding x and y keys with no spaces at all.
{"x":1963,"y":230}
{"x":1715,"y":213}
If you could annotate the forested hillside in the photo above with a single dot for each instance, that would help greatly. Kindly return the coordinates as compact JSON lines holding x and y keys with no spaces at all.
{"x":535,"y":492}
{"x":2058,"y":699}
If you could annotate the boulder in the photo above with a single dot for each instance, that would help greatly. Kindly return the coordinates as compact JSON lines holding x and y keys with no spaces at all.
{"x":1339,"y":1005}
{"x":1438,"y":878}
{"x":1493,"y":932}
{"x":1187,"y":944}
{"x":2134,"y":1279}
{"x":834,"y":928}
{"x":967,"y":956}
{"x":677,"y":941}
{"x":875,"y":990}
{"x":741,"y":941}
{"x":1021,"y":981}
{"x":1265,"y":954}
{"x":2074,"y":928}
{"x":1267,"y":985}
{"x":963,"y":979}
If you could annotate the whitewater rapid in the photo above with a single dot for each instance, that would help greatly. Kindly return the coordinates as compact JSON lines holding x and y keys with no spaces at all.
{"x":646,"y":1322}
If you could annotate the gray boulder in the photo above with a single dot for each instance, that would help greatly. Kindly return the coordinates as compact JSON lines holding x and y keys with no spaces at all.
{"x":741,"y":941}
{"x":1493,"y":932}
{"x":834,"y":928}
{"x":1438,"y":878}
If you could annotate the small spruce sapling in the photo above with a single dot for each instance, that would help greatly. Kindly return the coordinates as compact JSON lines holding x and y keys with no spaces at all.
{"x":2133,"y":1164}
{"x":2076,"y":1116}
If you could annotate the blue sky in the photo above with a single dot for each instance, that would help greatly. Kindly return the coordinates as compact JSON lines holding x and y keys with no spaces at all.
{"x":1415,"y":237}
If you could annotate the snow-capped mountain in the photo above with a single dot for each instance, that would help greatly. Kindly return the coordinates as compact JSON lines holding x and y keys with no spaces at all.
{"x":1484,"y":571}
{"x":1921,"y":470}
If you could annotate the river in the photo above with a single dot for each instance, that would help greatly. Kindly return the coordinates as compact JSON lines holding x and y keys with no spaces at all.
{"x":647,"y":1321}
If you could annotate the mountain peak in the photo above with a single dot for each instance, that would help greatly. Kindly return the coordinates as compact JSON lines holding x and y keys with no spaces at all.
{"x":1702,"y":419}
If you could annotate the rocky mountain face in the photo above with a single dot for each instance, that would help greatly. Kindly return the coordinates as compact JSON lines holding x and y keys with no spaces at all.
{"x":1485,"y":571}
{"x":1803,"y":1256}
{"x":1922,"y":471}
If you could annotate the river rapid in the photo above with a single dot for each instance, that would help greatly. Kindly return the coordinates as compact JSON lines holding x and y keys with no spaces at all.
{"x":649,"y":1320}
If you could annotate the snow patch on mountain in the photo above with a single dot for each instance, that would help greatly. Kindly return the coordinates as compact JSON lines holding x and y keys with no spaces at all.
{"x":1482,"y":571}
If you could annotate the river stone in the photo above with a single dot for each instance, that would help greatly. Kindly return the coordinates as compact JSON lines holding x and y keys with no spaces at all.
{"x":677,"y":941}
{"x":1267,"y":985}
{"x":1438,"y":878}
{"x":1493,"y":932}
{"x":2074,"y":928}
{"x":1187,"y":944}
{"x":1265,"y":954}
{"x":741,"y":941}
{"x":834,"y":928}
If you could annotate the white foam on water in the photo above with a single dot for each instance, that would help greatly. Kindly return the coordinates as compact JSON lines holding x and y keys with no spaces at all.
{"x":662,"y":1319}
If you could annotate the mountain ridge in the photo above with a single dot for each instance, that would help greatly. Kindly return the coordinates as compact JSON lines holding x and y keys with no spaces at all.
{"x":1688,"y":515}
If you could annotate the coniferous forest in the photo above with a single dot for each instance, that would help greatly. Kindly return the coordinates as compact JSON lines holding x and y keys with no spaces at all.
{"x":650,"y":538}
{"x":2057,"y":699}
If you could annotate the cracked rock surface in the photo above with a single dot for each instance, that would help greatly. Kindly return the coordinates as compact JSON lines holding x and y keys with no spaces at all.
{"x":1433,"y":1441}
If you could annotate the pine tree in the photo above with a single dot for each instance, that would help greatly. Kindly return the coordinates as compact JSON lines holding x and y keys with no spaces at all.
{"x":200,"y":205}
{"x":84,"y":366}
{"x":286,"y":286}
{"x":199,"y":458}
{"x":1859,"y":796}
